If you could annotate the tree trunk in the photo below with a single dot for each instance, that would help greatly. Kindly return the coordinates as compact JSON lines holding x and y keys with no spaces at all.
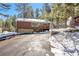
{"x":57,"y":22}
{"x":65,"y":23}
{"x":51,"y":27}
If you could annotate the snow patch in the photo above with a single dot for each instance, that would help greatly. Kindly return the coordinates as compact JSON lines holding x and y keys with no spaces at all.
{"x":65,"y":45}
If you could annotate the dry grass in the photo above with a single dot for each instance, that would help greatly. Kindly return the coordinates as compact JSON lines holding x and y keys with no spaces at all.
{"x":0,"y":29}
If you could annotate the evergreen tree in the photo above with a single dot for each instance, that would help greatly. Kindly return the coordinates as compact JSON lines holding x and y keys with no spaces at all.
{"x":37,"y":13}
{"x":24,"y":10}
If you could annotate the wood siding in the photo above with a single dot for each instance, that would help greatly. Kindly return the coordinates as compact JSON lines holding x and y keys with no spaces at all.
{"x":23,"y":25}
{"x":76,"y":22}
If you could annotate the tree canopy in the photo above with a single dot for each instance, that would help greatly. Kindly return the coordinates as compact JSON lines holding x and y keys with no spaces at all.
{"x":57,"y":13}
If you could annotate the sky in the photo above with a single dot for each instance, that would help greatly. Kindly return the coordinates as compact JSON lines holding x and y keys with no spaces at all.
{"x":12,"y":11}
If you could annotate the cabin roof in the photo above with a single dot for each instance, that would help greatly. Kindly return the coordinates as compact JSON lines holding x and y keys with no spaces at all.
{"x":33,"y":20}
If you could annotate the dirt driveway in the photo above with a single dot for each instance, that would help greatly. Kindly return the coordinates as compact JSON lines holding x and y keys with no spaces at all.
{"x":19,"y":45}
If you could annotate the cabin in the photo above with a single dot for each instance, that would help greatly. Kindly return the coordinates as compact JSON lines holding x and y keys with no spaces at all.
{"x":24,"y":25}
{"x":76,"y":22}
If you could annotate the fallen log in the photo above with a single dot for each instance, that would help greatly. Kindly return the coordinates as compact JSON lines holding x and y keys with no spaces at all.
{"x":56,"y":31}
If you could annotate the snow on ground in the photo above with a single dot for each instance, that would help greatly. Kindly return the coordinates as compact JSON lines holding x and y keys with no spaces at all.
{"x":65,"y":43}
